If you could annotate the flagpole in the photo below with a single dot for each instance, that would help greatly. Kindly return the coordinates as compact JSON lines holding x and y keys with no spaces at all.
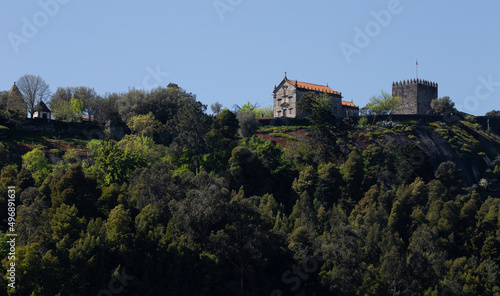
{"x":417,"y":69}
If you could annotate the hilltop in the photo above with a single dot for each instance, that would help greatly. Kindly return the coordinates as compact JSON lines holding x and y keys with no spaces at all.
{"x":464,"y":143}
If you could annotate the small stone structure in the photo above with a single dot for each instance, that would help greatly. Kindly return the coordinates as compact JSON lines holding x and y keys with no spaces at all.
{"x":15,"y":99}
{"x":416,"y":96}
{"x":42,"y":111}
{"x":289,"y":92}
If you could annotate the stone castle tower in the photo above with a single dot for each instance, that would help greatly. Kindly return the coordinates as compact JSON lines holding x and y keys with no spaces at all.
{"x":416,"y":95}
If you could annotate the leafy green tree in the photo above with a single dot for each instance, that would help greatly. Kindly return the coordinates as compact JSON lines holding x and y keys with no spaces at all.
{"x":247,"y":107}
{"x":36,"y":162}
{"x":266,"y":111}
{"x":191,"y":125}
{"x":245,"y":242}
{"x":205,"y":208}
{"x":306,"y":102}
{"x":443,"y":105}
{"x":133,"y":103}
{"x":112,"y":164}
{"x":109,"y":198}
{"x":77,"y":108}
{"x":303,"y":213}
{"x":322,"y":116}
{"x":353,"y":173}
{"x":247,"y":170}
{"x":142,"y":147}
{"x":29,"y":271}
{"x":327,"y":190}
{"x":323,"y":120}
{"x":383,"y":104}
{"x":221,"y":140}
{"x":424,"y":259}
{"x":306,"y":181}
{"x":155,"y":186}
{"x":107,"y":108}
{"x":62,"y":110}
{"x":88,"y":99}
{"x":450,"y":177}
{"x":74,"y":188}
{"x":4,"y":98}
{"x":118,"y":227}
{"x":343,"y":269}
{"x":25,"y":179}
{"x":65,"y":223}
{"x":248,"y":123}
{"x":146,"y":220}
{"x":163,"y":102}
{"x":144,"y":125}
{"x":32,"y":218}
{"x":4,"y":155}
{"x":493,"y":113}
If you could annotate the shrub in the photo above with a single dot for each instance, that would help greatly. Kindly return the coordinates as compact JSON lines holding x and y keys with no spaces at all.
{"x":56,"y":152}
{"x":363,"y":121}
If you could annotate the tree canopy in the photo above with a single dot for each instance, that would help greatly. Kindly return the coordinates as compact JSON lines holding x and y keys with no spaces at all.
{"x":443,"y":105}
{"x":383,"y":104}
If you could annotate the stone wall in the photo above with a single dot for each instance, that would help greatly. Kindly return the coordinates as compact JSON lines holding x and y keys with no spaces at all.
{"x":89,"y":130}
{"x":425,"y":94}
{"x":489,"y":122}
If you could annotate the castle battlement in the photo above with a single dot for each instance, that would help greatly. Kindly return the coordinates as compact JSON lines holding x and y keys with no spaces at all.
{"x":415,"y":81}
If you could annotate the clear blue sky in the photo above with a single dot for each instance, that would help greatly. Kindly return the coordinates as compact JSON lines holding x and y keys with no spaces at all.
{"x":233,"y":51}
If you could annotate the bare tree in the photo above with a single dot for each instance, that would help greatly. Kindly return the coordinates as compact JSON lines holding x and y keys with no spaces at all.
{"x":216,"y":108}
{"x":34,"y":89}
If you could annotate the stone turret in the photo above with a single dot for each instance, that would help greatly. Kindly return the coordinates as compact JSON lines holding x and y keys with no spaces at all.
{"x":416,"y":95}
{"x":15,"y":99}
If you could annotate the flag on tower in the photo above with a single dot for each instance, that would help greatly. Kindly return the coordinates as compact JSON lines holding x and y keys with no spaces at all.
{"x":417,"y":62}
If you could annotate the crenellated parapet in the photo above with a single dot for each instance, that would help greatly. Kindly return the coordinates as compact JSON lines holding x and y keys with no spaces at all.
{"x":415,"y":81}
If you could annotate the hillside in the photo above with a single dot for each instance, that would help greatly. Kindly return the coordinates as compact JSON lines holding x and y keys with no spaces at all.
{"x":327,"y":208}
{"x":463,"y":143}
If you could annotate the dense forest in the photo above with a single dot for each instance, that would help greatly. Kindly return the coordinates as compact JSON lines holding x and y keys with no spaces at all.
{"x":189,"y":203}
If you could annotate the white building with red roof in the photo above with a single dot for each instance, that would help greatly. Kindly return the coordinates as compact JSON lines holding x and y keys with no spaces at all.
{"x":289,"y":92}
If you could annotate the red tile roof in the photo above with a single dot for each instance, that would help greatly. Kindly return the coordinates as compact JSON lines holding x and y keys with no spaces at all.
{"x":314,"y":87}
{"x":349,"y":104}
